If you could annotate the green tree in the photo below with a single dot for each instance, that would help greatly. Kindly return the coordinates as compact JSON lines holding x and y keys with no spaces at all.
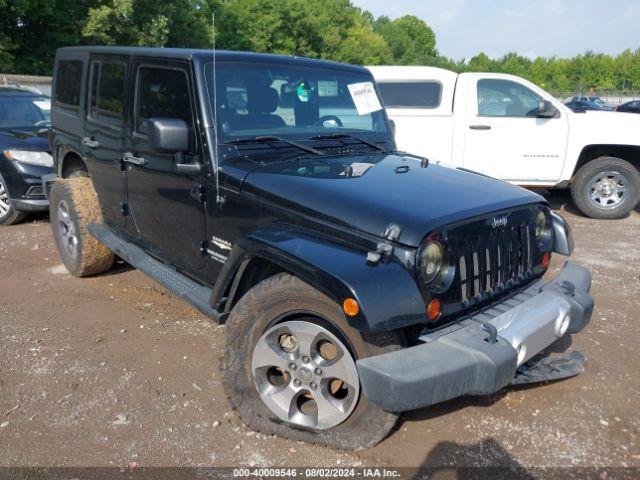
{"x":333,"y":29}
{"x":150,"y":23}
{"x":32,"y":30}
{"x":412,"y":42}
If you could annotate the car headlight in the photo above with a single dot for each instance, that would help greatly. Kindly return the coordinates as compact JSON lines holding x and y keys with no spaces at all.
{"x":431,"y":261}
{"x":544,"y":230}
{"x":30,"y":157}
{"x":436,"y":271}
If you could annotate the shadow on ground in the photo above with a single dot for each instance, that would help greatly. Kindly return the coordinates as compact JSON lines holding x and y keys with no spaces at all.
{"x":486,"y":459}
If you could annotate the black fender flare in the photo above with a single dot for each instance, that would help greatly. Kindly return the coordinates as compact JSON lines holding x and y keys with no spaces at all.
{"x":387,"y":293}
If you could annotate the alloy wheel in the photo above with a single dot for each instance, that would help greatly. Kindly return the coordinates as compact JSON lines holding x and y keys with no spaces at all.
{"x":5,"y":207}
{"x":67,"y":229}
{"x":305,"y":374}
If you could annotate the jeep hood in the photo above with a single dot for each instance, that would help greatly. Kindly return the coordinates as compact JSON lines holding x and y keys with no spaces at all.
{"x":368,"y":192}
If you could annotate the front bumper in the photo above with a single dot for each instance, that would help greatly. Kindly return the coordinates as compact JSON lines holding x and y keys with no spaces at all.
{"x":479,"y":354}
{"x":24,"y":184}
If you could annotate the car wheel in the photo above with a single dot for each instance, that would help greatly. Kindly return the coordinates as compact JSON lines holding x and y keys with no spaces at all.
{"x":8,"y":215}
{"x":73,"y":206}
{"x":606,"y":188}
{"x":289,"y":367}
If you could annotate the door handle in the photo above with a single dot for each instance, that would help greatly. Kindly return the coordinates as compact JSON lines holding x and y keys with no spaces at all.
{"x":130,"y":158}
{"x":480,"y":127}
{"x":189,"y":168}
{"x":88,"y":142}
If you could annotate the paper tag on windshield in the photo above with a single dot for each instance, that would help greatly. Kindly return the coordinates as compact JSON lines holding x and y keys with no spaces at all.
{"x":364,"y":97}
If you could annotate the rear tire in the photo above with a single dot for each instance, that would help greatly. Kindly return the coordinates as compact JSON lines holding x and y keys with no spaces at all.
{"x":8,"y":214}
{"x":73,"y":206}
{"x":606,"y":188}
{"x":284,"y":300}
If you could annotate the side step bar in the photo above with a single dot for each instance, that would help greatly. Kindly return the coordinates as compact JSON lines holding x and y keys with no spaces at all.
{"x":194,"y":293}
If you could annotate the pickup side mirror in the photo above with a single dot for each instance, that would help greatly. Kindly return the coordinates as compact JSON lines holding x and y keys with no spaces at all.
{"x":168,"y":135}
{"x":392,"y":124}
{"x":546,"y":109}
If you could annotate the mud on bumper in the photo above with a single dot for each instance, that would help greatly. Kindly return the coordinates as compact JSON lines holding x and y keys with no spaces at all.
{"x":479,"y":353}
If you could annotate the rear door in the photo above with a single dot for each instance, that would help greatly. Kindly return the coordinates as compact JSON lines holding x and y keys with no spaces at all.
{"x":505,"y":138}
{"x":166,"y":207}
{"x":103,"y":136}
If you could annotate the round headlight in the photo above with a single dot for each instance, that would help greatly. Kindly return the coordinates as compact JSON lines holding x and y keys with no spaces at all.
{"x":431,"y":261}
{"x":543,"y":230}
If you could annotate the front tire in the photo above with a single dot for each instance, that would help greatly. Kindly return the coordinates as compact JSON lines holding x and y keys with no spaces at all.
{"x":8,"y":214}
{"x":288,"y":367}
{"x":73,"y":206}
{"x":606,"y":188}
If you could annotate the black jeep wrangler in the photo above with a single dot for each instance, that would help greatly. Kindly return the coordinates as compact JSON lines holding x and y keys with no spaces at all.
{"x":355,"y":281}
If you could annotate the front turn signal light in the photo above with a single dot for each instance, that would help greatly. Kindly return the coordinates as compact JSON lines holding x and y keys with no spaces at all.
{"x":350,"y":307}
{"x":434,"y":309}
{"x":546,"y":259}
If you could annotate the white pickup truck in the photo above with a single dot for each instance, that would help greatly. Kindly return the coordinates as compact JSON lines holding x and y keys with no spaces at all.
{"x":506,"y":127}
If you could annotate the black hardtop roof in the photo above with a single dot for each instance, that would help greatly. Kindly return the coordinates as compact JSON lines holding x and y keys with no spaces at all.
{"x":205,"y":54}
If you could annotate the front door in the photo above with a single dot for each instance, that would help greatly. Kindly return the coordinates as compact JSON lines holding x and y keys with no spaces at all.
{"x":165,"y":206}
{"x":504,"y":137}
{"x":103,"y":135}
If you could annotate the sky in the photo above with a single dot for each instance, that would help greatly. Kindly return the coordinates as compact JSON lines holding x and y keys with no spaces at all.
{"x":532,"y":28}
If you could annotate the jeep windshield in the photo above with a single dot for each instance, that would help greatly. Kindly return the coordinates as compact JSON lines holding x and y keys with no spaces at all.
{"x":300,"y":102}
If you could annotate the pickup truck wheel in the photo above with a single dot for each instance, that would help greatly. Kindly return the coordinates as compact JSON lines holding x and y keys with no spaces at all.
{"x":73,"y":206}
{"x":289,"y":367}
{"x":607,"y":188}
{"x":8,"y":215}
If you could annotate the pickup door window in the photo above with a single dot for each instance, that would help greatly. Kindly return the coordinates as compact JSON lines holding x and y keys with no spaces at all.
{"x":504,"y":136}
{"x":502,"y":98}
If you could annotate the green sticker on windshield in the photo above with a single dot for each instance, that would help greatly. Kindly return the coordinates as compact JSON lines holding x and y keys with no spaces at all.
{"x":303,"y":92}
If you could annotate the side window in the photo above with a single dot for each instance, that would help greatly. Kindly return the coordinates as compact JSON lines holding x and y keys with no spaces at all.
{"x":106,"y":96}
{"x":411,"y":94}
{"x":67,"y":88}
{"x":504,"y":98}
{"x":162,"y":93}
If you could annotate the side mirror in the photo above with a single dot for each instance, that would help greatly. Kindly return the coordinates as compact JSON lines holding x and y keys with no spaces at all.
{"x":393,"y":127}
{"x":546,"y":109}
{"x":168,"y":135}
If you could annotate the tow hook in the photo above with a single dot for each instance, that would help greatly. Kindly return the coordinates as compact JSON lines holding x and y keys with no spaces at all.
{"x":492,"y":331}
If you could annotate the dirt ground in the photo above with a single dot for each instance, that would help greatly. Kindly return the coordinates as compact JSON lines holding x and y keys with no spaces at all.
{"x":113,"y":369}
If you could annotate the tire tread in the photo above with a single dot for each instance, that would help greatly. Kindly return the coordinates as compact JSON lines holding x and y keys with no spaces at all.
{"x":94,"y":257}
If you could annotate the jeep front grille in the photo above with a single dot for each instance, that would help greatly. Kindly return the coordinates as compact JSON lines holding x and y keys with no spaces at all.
{"x":491,"y":259}
{"x":491,"y":264}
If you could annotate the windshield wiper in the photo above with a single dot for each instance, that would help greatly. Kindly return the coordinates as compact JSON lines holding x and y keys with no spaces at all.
{"x":269,"y":138}
{"x":330,"y":136}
